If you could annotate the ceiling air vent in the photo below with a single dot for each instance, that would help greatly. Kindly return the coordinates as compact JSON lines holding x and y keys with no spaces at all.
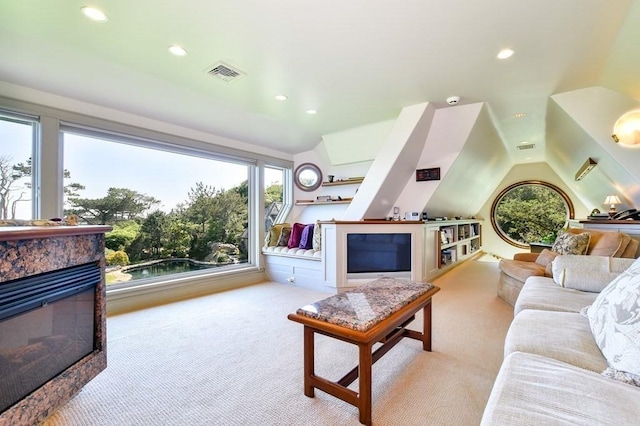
{"x":225,"y":72}
{"x":529,"y":146}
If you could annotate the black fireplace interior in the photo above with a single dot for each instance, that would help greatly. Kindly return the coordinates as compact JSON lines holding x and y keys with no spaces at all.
{"x":46,"y":325}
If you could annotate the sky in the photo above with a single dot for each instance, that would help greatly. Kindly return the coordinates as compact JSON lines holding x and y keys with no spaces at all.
{"x":100,"y":165}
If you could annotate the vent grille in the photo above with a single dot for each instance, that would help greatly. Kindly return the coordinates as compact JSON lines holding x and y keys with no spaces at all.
{"x":225,"y":72}
{"x":529,"y":146}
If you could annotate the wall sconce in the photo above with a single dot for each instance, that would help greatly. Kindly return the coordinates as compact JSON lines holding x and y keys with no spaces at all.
{"x":612,"y":200}
{"x":585,"y":168}
{"x":626,"y":131}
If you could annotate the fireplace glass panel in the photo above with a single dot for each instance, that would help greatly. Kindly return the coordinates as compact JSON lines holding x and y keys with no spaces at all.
{"x":37,"y":345}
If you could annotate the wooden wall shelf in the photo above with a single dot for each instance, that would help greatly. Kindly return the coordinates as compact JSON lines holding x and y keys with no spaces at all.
{"x":343,"y":182}
{"x":316,"y":203}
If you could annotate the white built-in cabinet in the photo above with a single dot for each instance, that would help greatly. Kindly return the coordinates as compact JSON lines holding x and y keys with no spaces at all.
{"x":447,"y":243}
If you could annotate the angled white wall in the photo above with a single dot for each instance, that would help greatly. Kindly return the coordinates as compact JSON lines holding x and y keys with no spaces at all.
{"x":393,"y":165}
{"x":580,"y":124}
{"x":447,"y":136}
{"x":479,"y":166}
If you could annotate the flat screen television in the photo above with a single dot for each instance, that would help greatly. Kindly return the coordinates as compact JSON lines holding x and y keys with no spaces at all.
{"x":378,"y":255}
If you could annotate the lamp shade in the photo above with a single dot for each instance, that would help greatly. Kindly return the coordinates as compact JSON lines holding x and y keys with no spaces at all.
{"x":612,"y":200}
{"x":626,"y":131}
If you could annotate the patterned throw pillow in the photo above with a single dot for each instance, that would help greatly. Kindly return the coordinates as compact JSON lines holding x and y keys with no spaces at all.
{"x":317,"y":237}
{"x":567,"y":243}
{"x":614,"y":318}
{"x":283,"y":240}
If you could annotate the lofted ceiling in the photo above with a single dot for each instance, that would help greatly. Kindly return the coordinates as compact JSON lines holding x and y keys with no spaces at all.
{"x":355,"y":62}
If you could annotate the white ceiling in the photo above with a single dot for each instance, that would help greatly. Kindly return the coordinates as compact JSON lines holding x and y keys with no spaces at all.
{"x":355,"y":62}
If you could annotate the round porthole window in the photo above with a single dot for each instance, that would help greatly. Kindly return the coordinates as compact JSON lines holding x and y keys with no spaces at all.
{"x":307,"y":177}
{"x":530,"y":212}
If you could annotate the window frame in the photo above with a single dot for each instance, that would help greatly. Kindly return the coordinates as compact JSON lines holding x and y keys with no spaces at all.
{"x":570,"y":210}
{"x":34,"y":121}
{"x":48,"y":164}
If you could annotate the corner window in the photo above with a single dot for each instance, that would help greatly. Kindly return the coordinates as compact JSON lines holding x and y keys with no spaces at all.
{"x":530,"y":212}
{"x":17,"y":189}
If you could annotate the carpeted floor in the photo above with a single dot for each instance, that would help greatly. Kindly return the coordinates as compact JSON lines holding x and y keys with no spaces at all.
{"x":234,"y":358}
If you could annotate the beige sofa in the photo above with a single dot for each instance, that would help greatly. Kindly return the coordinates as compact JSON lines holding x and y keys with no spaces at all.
{"x":514,"y":272}
{"x":553,"y":367}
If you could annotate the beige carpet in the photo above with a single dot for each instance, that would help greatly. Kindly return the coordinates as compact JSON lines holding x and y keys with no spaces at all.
{"x":234,"y":358}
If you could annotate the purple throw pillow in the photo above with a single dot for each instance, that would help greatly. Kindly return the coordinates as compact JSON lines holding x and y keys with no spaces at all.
{"x":306,"y":239}
{"x":296,"y":233}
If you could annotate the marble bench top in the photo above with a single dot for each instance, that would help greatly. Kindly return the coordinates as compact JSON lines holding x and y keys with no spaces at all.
{"x":365,"y":306}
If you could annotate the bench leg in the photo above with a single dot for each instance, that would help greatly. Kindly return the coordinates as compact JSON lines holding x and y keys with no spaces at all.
{"x":426,"y":327}
{"x":364,"y":384}
{"x":308,"y":361}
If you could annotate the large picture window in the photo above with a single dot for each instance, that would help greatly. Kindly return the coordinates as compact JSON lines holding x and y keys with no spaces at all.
{"x":530,"y":212}
{"x":171,"y":212}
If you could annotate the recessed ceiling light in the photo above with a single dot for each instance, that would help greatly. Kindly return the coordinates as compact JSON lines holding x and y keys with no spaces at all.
{"x":528,"y":158}
{"x":177,"y":50}
{"x":281,"y":97}
{"x":94,"y":14}
{"x":311,"y":111}
{"x":505,"y":53}
{"x":524,"y":142}
{"x":519,"y":115}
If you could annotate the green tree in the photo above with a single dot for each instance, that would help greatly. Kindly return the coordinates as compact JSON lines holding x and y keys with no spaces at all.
{"x":15,"y":178}
{"x":200,"y":204}
{"x":119,"y":204}
{"x":153,"y":231}
{"x":273,"y":194}
{"x":122,"y":235}
{"x":530,"y":213}
{"x":178,"y":238}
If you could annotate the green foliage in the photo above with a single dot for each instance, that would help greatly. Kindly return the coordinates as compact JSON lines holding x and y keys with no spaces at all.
{"x":122,"y":235}
{"x":531,"y":213}
{"x":117,"y":258}
{"x":273,"y":194}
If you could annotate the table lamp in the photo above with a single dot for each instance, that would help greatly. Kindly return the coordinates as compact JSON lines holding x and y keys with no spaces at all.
{"x":612,"y":200}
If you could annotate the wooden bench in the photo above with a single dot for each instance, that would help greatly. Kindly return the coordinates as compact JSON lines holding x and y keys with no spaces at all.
{"x":375,"y":312}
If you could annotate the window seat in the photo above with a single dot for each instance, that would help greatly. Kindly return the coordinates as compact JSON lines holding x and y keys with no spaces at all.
{"x":308,"y":254}
{"x":295,"y":266}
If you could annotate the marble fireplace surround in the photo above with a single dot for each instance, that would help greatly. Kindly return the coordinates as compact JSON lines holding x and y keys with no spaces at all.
{"x":31,"y":250}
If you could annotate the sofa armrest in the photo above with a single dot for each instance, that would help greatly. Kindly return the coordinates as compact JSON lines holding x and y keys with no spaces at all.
{"x":526,"y":257}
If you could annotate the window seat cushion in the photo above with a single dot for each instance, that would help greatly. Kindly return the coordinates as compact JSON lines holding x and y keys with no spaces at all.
{"x":293,"y":252}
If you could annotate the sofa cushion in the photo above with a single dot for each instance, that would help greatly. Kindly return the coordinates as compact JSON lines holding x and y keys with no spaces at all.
{"x":571,"y":243}
{"x":587,"y":273}
{"x":544,"y":294}
{"x":564,"y":336}
{"x":534,"y":390}
{"x":545,"y":257}
{"x":521,"y":270}
{"x":632,"y":249}
{"x":614,"y":318}
{"x":603,"y":243}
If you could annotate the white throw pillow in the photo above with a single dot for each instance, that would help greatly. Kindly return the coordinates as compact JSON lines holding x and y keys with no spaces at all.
{"x":614,"y":318}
